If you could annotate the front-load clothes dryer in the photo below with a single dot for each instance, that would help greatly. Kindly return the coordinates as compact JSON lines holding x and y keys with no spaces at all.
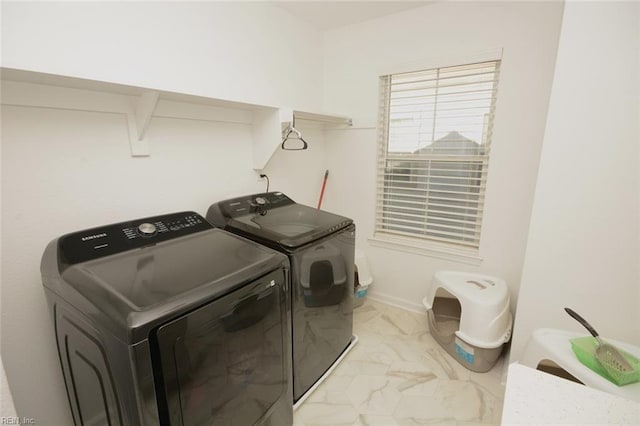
{"x":167,"y":321}
{"x":321,"y":249}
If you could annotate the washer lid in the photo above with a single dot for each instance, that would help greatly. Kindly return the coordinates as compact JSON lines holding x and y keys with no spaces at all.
{"x":274,"y":218}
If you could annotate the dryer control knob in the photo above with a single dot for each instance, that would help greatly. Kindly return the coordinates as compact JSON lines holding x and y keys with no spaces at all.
{"x":260,"y":201}
{"x":147,"y":229}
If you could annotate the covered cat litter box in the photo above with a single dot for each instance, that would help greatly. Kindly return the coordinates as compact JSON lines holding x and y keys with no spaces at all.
{"x":469,"y":316}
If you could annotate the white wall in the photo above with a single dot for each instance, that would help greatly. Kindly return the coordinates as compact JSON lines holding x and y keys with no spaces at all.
{"x":583,"y":242}
{"x":65,"y":170}
{"x":299,"y":174}
{"x":430,"y":36}
{"x":7,"y":408}
{"x":244,"y":51}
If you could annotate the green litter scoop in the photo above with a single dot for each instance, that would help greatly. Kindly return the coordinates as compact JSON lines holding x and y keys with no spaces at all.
{"x":621,"y":369}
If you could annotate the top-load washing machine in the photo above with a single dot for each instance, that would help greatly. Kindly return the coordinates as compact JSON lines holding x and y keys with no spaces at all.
{"x":321,"y":248}
{"x":167,"y":321}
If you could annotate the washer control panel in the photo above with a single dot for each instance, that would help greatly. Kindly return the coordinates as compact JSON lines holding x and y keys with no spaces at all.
{"x":254,"y":204}
{"x":118,"y":237}
{"x":147,"y":229}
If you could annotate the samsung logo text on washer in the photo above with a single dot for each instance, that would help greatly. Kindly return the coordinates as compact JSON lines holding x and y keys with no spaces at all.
{"x":93,"y":237}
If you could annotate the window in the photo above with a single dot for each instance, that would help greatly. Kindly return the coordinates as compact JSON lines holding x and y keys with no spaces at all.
{"x":434,"y":138}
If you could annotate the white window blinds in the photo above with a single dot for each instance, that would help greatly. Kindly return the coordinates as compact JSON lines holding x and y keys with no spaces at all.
{"x":434,"y":138}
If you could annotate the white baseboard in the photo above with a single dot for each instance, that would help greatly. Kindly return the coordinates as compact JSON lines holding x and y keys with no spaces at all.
{"x":397,"y":302}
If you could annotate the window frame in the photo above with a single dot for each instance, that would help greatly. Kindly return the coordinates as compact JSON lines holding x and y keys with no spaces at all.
{"x":447,"y":248}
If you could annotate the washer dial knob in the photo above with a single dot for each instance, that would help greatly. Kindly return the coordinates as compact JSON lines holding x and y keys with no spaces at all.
{"x":147,"y":229}
{"x":260,"y":201}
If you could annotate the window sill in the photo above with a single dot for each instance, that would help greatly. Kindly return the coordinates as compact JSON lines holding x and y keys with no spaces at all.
{"x":430,"y":249}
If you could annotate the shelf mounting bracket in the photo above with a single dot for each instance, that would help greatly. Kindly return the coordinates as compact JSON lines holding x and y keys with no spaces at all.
{"x":138,"y":119}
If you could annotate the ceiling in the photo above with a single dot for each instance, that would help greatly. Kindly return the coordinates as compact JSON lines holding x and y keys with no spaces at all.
{"x":324,"y":15}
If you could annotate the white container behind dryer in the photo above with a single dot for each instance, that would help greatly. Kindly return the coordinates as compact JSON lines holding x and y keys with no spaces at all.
{"x":363,"y":278}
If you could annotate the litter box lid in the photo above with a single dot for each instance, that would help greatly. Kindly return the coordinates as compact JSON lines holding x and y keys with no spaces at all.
{"x":485,"y":319}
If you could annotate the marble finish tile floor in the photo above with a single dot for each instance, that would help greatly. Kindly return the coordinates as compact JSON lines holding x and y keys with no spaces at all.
{"x":398,"y":375}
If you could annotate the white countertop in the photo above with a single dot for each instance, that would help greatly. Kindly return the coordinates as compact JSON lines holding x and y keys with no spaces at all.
{"x":535,"y":397}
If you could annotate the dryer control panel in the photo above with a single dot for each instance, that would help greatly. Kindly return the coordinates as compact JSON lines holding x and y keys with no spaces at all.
{"x":111,"y":239}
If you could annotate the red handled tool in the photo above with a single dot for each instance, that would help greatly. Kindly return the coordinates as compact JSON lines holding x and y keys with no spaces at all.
{"x":324,"y":184}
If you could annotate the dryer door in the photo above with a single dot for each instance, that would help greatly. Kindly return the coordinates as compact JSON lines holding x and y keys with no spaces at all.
{"x":228,"y":361}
